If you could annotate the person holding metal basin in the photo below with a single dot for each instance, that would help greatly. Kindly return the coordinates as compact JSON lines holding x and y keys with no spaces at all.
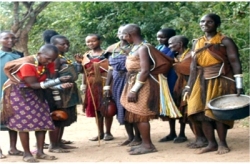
{"x":215,"y":71}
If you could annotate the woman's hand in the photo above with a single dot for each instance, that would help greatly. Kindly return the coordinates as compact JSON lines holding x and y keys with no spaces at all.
{"x":66,"y":85}
{"x":78,"y":58}
{"x":132,"y":97}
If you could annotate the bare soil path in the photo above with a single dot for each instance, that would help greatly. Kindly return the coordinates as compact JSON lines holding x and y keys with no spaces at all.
{"x":109,"y":151}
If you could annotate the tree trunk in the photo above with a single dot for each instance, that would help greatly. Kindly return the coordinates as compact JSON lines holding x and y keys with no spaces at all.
{"x":22,"y":25}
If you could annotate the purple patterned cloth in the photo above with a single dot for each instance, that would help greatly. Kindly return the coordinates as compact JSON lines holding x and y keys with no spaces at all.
{"x":31,"y":113}
{"x":119,"y":78}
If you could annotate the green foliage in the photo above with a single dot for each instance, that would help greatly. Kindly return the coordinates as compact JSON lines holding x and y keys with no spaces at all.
{"x":5,"y":15}
{"x":77,"y":19}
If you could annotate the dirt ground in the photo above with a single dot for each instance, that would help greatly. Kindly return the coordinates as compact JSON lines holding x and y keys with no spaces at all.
{"x":109,"y":151}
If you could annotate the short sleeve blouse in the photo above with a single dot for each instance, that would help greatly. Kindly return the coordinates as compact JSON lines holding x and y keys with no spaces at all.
{"x":29,"y":70}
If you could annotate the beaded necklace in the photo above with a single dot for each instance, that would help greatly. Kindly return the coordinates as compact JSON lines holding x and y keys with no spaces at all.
{"x":36,"y":64}
{"x":63,"y":57}
{"x":121,"y":51}
{"x":89,"y":54}
{"x":183,"y":54}
{"x":135,"y":48}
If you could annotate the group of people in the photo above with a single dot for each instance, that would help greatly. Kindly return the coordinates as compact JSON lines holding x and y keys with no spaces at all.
{"x":33,"y":87}
{"x":133,"y":72}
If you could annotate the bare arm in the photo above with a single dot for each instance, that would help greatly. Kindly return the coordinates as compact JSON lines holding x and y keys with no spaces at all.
{"x":192,"y":68}
{"x":144,"y":63}
{"x":32,"y":82}
{"x":110,"y":71}
{"x":187,"y":89}
{"x":107,"y":87}
{"x":144,"y":74}
{"x":109,"y":77}
{"x":233,"y":55}
{"x":233,"y":58}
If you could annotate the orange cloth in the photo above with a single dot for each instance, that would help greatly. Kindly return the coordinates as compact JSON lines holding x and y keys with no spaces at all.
{"x":204,"y":58}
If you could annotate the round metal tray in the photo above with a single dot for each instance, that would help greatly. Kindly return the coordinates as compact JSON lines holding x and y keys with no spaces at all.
{"x":230,"y":107}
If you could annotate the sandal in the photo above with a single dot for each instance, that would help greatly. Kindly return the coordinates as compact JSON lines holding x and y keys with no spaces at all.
{"x":60,"y":150}
{"x":108,"y":137}
{"x":125,"y":143}
{"x":167,"y":138}
{"x":45,"y":157}
{"x":17,"y":153}
{"x":2,"y":156}
{"x":96,"y":138}
{"x":142,"y":150}
{"x":68,"y":147}
{"x":134,"y":143}
{"x":195,"y":145}
{"x":180,"y":139}
{"x":30,"y":159}
{"x":45,"y":146}
{"x":66,"y":142}
{"x":133,"y":148}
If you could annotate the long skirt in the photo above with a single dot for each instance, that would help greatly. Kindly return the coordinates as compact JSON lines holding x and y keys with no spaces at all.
{"x":31,"y":113}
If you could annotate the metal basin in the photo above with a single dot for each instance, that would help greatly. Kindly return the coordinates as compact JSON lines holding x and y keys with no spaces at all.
{"x":230,"y":107}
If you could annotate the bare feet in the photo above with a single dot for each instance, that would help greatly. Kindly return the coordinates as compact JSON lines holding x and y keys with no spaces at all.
{"x":199,"y":143}
{"x":223,"y":150}
{"x":209,"y":148}
{"x":124,"y":143}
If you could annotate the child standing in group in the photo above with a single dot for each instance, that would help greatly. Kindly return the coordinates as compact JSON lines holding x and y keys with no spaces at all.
{"x":95,"y":68}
